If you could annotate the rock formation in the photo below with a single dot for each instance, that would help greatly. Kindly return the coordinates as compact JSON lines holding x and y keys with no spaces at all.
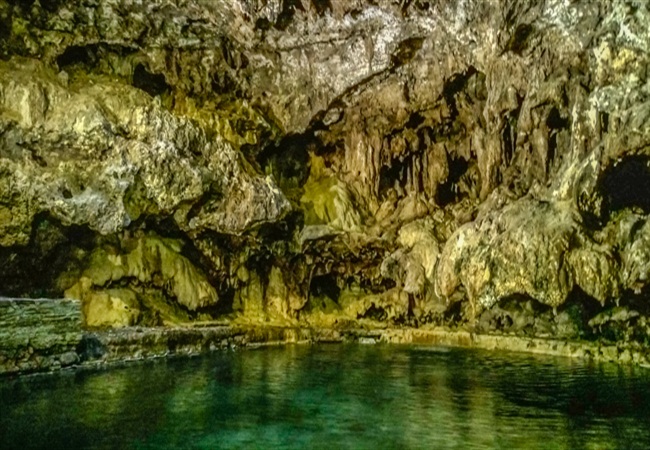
{"x":475,"y":164}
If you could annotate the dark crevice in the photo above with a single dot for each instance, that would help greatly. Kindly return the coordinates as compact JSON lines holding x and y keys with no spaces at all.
{"x":447,"y":192}
{"x":235,"y":59}
{"x":325,"y":285}
{"x":454,"y":313}
{"x":225,"y":305}
{"x":457,"y":83}
{"x":415,"y":120}
{"x":90,"y":56}
{"x":519,"y":40}
{"x":555,"y":123}
{"x":208,"y":197}
{"x":552,"y":150}
{"x":32,"y":270}
{"x":75,"y":54}
{"x":168,"y":228}
{"x":285,"y":17}
{"x":604,"y":122}
{"x":395,"y":176}
{"x":405,"y":6}
{"x":152,"y":83}
{"x":263,"y":24}
{"x":509,"y":144}
{"x":223,"y":83}
{"x":626,"y":184}
{"x":322,"y":6}
{"x":373,"y":313}
{"x":288,"y":160}
{"x":423,"y":5}
{"x":406,"y":51}
{"x":509,"y":132}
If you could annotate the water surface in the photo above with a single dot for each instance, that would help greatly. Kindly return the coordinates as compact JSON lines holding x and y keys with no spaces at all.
{"x":333,"y":397}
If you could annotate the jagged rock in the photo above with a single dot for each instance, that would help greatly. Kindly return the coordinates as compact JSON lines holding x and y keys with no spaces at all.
{"x":38,"y":334}
{"x":102,"y":154}
{"x":423,"y":161}
{"x":106,"y":307}
{"x":636,"y":256}
{"x":150,"y":261}
{"x":413,"y":264}
{"x":528,"y":247}
{"x":327,"y":200}
{"x":613,"y":315}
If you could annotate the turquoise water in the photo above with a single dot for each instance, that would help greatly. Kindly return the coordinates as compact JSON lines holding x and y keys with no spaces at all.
{"x":333,"y":397}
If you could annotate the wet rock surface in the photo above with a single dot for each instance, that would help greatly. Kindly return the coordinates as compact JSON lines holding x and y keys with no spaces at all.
{"x":479,"y":166}
{"x":38,"y":334}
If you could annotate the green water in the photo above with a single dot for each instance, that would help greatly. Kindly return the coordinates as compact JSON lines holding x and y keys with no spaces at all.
{"x":333,"y":397}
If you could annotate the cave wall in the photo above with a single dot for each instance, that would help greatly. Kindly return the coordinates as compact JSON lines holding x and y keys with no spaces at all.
{"x":462,"y":163}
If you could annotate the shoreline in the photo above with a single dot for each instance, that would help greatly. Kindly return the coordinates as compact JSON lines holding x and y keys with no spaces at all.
{"x":116,"y":346}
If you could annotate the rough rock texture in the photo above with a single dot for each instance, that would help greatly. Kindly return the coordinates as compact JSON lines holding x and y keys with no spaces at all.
{"x":38,"y":334}
{"x":470,"y":163}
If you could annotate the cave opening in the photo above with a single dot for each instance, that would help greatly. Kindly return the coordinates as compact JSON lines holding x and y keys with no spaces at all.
{"x":85,"y":55}
{"x":448,"y":192}
{"x":153,"y":84}
{"x":288,"y":161}
{"x":322,"y":6}
{"x":626,"y":184}
{"x":395,"y":177}
{"x":32,"y":271}
{"x":287,"y":12}
{"x":92,"y":56}
{"x":324,"y":286}
{"x":374,"y":313}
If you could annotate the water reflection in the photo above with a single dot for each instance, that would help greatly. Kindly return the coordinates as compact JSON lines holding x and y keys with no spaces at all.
{"x":338,"y":396}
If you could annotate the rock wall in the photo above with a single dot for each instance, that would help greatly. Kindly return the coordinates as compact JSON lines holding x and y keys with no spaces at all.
{"x":38,"y":334}
{"x":470,"y":164}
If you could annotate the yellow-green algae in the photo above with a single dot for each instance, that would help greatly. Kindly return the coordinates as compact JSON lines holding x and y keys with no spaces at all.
{"x":151,"y":260}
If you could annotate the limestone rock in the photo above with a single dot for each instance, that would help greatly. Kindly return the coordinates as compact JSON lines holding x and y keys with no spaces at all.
{"x":528,"y":247}
{"x":422,"y":162}
{"x":151,"y":261}
{"x":102,"y":154}
{"x":413,"y":264}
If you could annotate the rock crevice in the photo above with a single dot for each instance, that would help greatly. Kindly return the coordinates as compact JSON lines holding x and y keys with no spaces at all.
{"x":474,"y":165}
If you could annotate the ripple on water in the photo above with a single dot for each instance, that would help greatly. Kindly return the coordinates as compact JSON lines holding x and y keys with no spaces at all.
{"x":333,"y":396}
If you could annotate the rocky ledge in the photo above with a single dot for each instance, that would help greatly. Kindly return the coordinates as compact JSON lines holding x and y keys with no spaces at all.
{"x":480,"y":166}
{"x":128,"y":344}
{"x":39,"y":334}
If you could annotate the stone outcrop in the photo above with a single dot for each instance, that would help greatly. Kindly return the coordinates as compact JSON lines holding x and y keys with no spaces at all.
{"x":38,"y":334}
{"x":474,"y":164}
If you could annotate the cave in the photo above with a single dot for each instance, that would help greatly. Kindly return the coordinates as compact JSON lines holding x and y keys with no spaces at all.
{"x":288,"y":160}
{"x":422,"y":191}
{"x":448,"y":192}
{"x":153,"y":84}
{"x":89,"y":57}
{"x":395,"y":177}
{"x":324,"y":285}
{"x":626,"y":184}
{"x":76,"y":54}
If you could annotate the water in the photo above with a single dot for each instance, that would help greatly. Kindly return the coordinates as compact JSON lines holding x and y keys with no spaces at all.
{"x":333,"y":397}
